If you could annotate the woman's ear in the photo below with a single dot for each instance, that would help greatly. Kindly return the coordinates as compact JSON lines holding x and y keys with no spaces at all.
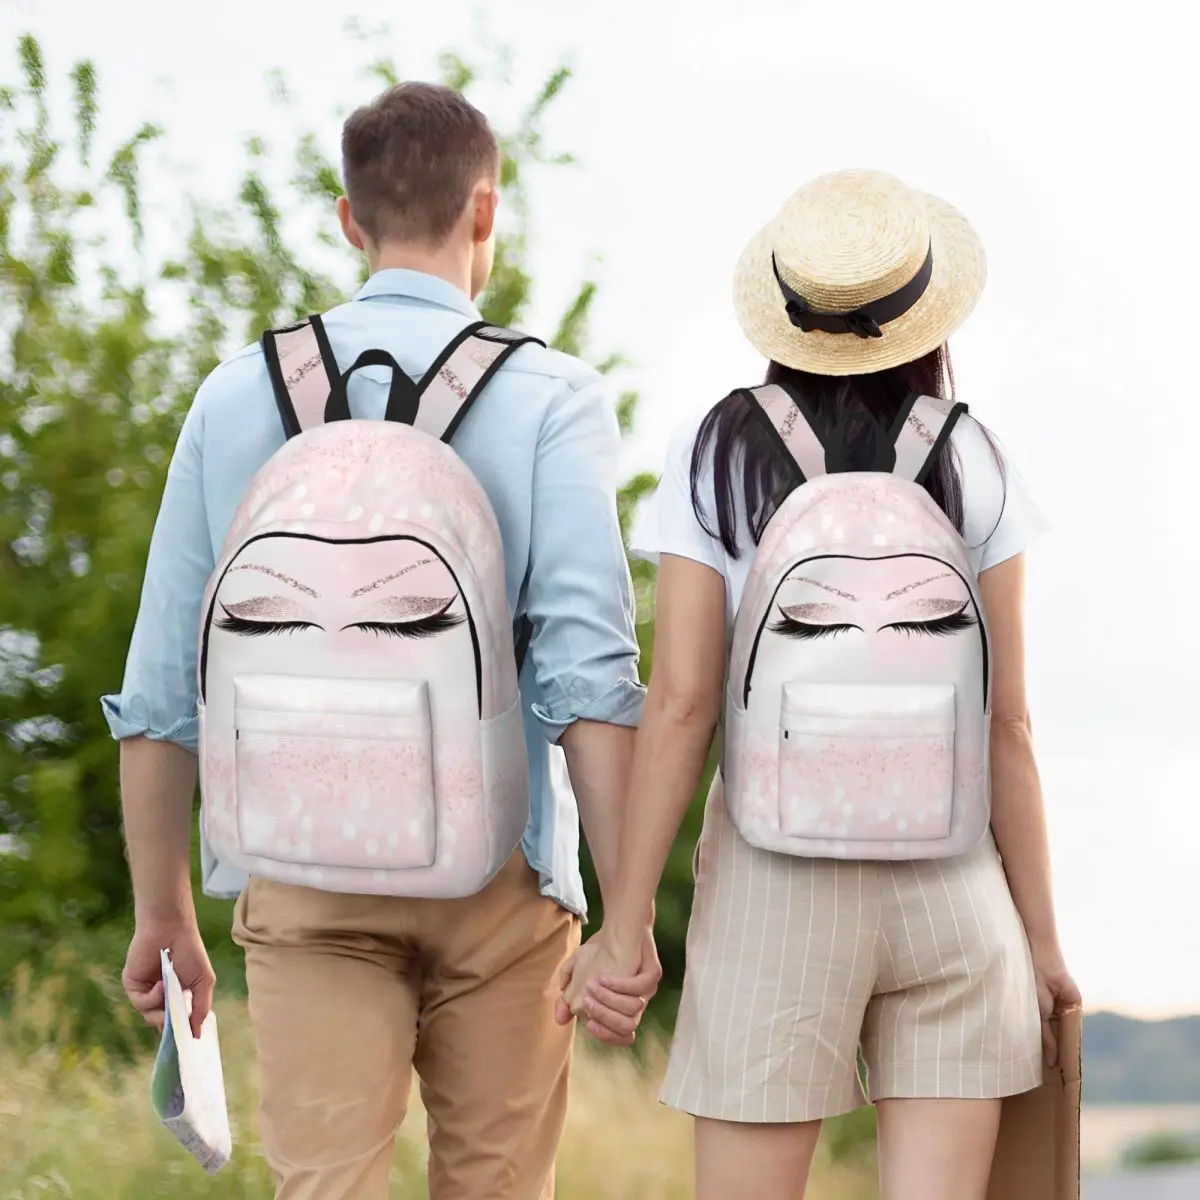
{"x":350,"y":229}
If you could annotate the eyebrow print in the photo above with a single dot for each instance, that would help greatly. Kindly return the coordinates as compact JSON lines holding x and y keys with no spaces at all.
{"x":370,"y":587}
{"x":300,"y":587}
{"x":826,"y":588}
{"x":913,"y":586}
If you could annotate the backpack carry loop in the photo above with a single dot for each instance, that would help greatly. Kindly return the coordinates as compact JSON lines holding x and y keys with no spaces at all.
{"x":403,"y":400}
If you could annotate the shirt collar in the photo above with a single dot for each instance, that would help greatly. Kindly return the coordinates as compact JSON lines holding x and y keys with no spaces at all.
{"x":415,"y":285}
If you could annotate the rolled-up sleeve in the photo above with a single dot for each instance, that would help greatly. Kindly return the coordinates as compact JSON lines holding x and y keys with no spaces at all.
{"x":158,"y":694}
{"x":579,"y":595}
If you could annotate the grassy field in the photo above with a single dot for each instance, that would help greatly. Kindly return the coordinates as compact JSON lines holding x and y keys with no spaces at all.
{"x":73,"y":1124}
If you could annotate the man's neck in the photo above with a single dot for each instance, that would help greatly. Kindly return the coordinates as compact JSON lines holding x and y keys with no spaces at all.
{"x":451,"y":263}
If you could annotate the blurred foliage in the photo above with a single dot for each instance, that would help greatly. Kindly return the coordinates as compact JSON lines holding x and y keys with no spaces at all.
{"x":1162,"y":1149}
{"x":94,"y":383}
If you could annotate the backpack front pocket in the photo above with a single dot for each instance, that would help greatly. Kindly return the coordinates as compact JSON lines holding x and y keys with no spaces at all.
{"x":335,"y":772}
{"x":866,"y":763}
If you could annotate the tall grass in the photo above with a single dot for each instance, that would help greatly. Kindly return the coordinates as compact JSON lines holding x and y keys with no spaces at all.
{"x":77,"y":1123}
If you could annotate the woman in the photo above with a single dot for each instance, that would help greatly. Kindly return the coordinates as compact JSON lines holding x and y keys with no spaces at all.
{"x":935,"y":969}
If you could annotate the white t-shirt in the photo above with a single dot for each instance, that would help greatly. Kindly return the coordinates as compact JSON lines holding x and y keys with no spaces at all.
{"x":1000,"y":518}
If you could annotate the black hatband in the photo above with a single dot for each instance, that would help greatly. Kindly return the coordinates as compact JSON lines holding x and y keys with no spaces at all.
{"x":864,"y":321}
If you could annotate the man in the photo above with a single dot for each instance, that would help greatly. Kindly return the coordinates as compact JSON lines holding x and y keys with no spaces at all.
{"x":349,"y":993}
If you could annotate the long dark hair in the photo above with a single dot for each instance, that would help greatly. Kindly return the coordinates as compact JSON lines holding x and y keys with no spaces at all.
{"x":862,"y":408}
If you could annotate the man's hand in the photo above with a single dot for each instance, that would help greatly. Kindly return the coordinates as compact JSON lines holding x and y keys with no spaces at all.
{"x":142,"y":977}
{"x":610,"y":987}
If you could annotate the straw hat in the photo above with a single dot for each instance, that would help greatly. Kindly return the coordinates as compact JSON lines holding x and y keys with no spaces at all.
{"x":857,"y":273}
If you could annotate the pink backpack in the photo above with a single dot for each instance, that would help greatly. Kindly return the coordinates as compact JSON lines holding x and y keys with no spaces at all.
{"x":360,"y":724}
{"x":857,"y":710}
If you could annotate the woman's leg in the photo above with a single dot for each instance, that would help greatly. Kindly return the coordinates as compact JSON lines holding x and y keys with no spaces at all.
{"x":936,"y":1149}
{"x":953,"y":1027}
{"x":752,"y":1161}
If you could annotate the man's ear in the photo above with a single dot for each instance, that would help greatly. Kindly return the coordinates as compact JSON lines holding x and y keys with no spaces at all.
{"x":487,"y":197}
{"x":350,"y":229}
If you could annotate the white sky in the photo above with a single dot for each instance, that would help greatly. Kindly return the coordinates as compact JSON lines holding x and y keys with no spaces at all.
{"x":1067,"y":137}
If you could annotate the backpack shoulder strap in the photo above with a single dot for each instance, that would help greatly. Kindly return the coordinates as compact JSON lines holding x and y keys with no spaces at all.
{"x":460,"y":374}
{"x":792,"y":428}
{"x":923,"y":427}
{"x":309,"y":389}
{"x":303,"y":371}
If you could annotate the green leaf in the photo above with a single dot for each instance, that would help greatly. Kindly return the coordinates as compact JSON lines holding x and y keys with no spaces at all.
{"x":550,"y":92}
{"x":455,"y":72}
{"x":84,"y":79}
{"x":123,"y":171}
{"x":627,"y":411}
{"x":277,"y":87}
{"x":30,"y":53}
{"x":385,"y":71}
{"x":572,"y":328}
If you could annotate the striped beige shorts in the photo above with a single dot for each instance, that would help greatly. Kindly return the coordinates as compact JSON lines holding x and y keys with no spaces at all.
{"x":796,"y":965}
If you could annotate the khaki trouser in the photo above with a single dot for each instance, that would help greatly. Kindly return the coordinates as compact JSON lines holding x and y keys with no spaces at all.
{"x":349,"y":993}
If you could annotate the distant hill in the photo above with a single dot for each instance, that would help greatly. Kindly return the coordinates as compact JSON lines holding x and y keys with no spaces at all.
{"x":1140,"y":1062}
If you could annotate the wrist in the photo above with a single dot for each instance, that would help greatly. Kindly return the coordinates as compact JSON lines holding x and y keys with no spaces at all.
{"x":1043,"y":943}
{"x":627,"y":928}
{"x":168,"y":912}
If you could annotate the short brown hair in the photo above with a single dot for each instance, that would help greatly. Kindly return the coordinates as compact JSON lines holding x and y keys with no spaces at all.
{"x":410,"y":159}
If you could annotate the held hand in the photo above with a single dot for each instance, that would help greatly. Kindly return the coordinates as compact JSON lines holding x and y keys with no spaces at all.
{"x":142,"y":977}
{"x":610,"y":988}
{"x":1056,"y":992}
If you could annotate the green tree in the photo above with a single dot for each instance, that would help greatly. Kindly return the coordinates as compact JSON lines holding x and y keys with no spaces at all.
{"x":93,"y":387}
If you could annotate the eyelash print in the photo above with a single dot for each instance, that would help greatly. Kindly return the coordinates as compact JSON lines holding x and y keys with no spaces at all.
{"x":790,"y":627}
{"x":244,"y":628}
{"x":424,"y":628}
{"x":940,"y":627}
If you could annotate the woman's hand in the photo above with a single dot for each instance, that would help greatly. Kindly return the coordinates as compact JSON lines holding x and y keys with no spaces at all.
{"x":1056,"y":993}
{"x":610,"y":985}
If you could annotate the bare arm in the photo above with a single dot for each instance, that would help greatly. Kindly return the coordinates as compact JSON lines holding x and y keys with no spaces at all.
{"x":598,"y":760}
{"x":683,"y":706}
{"x":158,"y":780}
{"x":154,"y":717}
{"x":1018,"y":814}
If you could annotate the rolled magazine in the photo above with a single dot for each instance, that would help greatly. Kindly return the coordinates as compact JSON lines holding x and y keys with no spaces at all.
{"x":187,"y":1088}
